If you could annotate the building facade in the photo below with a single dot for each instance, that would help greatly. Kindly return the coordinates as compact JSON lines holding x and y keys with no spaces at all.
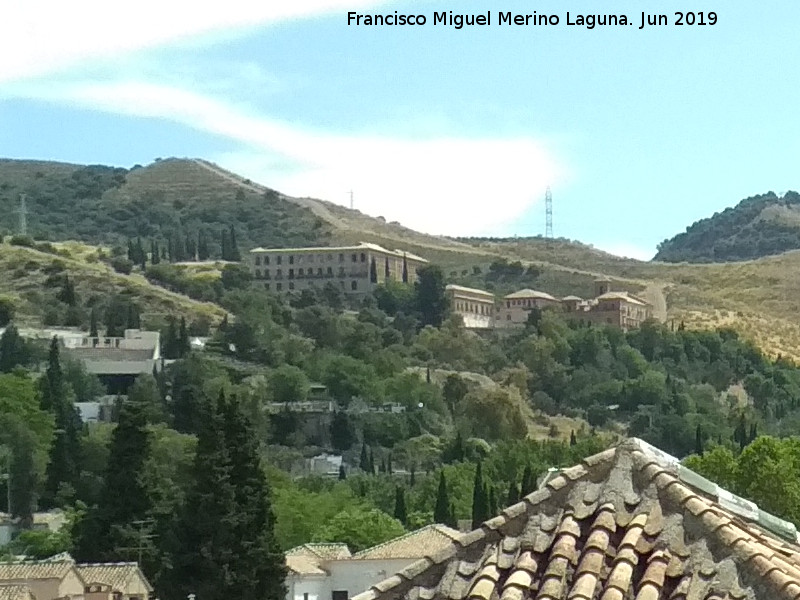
{"x":355,"y":270}
{"x":515,"y":308}
{"x":476,"y":307}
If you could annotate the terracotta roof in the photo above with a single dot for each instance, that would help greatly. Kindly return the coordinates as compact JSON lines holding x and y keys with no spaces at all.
{"x":415,"y":544}
{"x":627,"y":524}
{"x":572,"y":299}
{"x":308,"y":558}
{"x":120,"y":576}
{"x":15,"y":592}
{"x":529,"y":293}
{"x":44,"y":569}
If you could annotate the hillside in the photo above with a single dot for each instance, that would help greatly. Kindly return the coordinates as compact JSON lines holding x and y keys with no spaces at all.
{"x":758,"y":226}
{"x":757,"y":298}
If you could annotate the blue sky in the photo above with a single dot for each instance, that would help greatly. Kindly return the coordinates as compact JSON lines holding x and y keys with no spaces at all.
{"x":638,"y":133}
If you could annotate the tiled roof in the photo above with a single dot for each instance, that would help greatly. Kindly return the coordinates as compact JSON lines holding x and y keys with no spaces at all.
{"x":529,"y":293}
{"x":415,"y":544}
{"x":627,"y":524}
{"x":44,"y":569}
{"x":120,"y":576}
{"x":572,"y":299}
{"x":460,"y":288}
{"x":308,"y":558}
{"x":622,"y":296}
{"x":15,"y":592}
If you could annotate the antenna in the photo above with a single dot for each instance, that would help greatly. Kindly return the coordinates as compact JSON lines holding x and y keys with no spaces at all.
{"x":23,"y":216}
{"x":548,"y":211}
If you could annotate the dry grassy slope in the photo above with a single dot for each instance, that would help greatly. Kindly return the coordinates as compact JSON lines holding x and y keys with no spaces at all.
{"x":24,"y":279}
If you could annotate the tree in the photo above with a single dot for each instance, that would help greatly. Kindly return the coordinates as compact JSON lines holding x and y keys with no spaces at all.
{"x":343,"y":434}
{"x":441,"y":511}
{"x":360,"y":528}
{"x":528,"y":482}
{"x":363,"y":462}
{"x":373,"y":271}
{"x":234,"y":248}
{"x":342,"y":473}
{"x":67,"y":292}
{"x":63,"y":467}
{"x":400,"y":505}
{"x":405,"y":269}
{"x":572,"y":438}
{"x":6,"y":311}
{"x":480,"y":501}
{"x":183,"y":339}
{"x":454,"y":390}
{"x":93,"y":323}
{"x":12,"y":349}
{"x":698,"y":440}
{"x":430,"y":295}
{"x":513,"y":494}
{"x":288,"y":384}
{"x":236,"y":277}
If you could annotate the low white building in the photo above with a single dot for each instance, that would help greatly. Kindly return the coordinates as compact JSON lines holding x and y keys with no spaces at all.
{"x":331,"y":572}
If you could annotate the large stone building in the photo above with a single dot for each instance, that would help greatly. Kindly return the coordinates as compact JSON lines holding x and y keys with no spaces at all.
{"x":355,"y":270}
{"x":476,"y":307}
{"x":620,"y":309}
{"x":515,"y":308}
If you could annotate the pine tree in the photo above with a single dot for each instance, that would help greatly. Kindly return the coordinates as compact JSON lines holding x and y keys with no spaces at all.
{"x":93,"y":324}
{"x":373,"y":271}
{"x":480,"y":503}
{"x":62,"y":469}
{"x":528,"y":483}
{"x":441,"y":511}
{"x":513,"y":494}
{"x":400,"y":505}
{"x":171,"y":347}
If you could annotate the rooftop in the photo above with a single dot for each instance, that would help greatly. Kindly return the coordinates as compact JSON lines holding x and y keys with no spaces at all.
{"x":415,"y":544}
{"x":119,"y":576}
{"x":621,"y":296}
{"x":529,"y":293}
{"x":468,"y":290}
{"x":628,"y":523}
{"x":357,"y":247}
{"x":15,"y":592}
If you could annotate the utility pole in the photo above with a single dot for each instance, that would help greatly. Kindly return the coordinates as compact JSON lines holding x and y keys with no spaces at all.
{"x":143,"y":538}
{"x":23,"y":216}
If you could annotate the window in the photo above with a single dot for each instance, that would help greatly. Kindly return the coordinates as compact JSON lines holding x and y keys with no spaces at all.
{"x":266,"y":260}
{"x":339,"y":595}
{"x":341,"y":258}
{"x":330,"y":257}
{"x":266,"y":273}
{"x":291,"y":259}
{"x":341,"y":284}
{"x":279,"y":274}
{"x":341,"y":272}
{"x":300,"y":273}
{"x":258,"y":273}
{"x":279,"y":286}
{"x":266,"y":286}
{"x":354,"y":257}
{"x":363,"y":257}
{"x":258,"y":260}
{"x":291,"y":273}
{"x":330,"y":271}
{"x":291,"y":285}
{"x":354,"y":285}
{"x":319,"y":271}
{"x":278,"y":260}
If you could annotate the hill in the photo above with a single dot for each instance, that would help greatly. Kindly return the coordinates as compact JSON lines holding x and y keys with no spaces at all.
{"x":107,"y":205}
{"x":758,"y":226}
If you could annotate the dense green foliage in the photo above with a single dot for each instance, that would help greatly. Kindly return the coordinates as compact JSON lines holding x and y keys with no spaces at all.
{"x":743,"y":232}
{"x":169,"y":202}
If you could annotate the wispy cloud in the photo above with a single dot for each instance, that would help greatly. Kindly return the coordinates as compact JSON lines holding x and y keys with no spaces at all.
{"x":447,"y":185}
{"x":42,"y":36}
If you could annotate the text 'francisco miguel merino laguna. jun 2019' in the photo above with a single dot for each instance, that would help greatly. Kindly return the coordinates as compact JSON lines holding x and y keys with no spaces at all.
{"x":501,"y":18}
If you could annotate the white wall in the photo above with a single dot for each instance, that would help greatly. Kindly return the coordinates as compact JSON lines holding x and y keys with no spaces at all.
{"x":352,"y":576}
{"x":316,"y":586}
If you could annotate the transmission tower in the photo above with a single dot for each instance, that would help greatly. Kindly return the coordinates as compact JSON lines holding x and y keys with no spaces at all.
{"x":548,"y":211}
{"x":23,"y":216}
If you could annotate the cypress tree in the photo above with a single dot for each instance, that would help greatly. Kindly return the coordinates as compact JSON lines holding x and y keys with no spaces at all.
{"x":363,"y":463}
{"x":124,"y":498}
{"x":62,"y":469}
{"x":480,"y":503}
{"x":154,"y":257}
{"x":528,"y":482}
{"x":183,"y":339}
{"x":202,"y":245}
{"x":225,"y":245}
{"x":698,"y":440}
{"x":513,"y":494}
{"x":259,"y":569}
{"x":389,"y":468}
{"x":405,"y":269}
{"x":453,"y":521}
{"x":131,"y":251}
{"x":371,"y":461}
{"x":400,"y":505}
{"x":234,"y":248}
{"x":412,"y":479}
{"x":753,"y":432}
{"x":492,"y":501}
{"x":572,"y":439}
{"x":342,"y":473}
{"x":22,"y":477}
{"x":93,"y":324}
{"x":441,"y":511}
{"x":373,"y":271}
{"x":12,"y":349}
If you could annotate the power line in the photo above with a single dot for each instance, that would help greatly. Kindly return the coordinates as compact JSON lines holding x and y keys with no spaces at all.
{"x":143,"y":538}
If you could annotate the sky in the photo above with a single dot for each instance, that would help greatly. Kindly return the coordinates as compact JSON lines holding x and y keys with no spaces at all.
{"x":637,"y":132}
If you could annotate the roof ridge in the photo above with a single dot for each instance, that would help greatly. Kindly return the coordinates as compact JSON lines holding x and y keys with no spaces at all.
{"x":433,"y":526}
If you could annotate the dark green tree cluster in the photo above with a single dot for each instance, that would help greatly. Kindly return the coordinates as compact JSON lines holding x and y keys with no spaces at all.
{"x":176,"y":339}
{"x":229,"y":246}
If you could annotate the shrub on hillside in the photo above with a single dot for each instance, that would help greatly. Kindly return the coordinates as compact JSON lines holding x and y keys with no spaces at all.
{"x":122,"y":265}
{"x":22,"y":240}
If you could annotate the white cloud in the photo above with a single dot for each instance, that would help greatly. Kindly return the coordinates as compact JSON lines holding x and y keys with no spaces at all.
{"x":41,"y":36}
{"x":447,"y":185}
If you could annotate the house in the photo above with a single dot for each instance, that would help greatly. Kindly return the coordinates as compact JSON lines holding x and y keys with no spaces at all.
{"x":114,"y":581}
{"x":117,"y":361}
{"x":630,"y":523}
{"x":331,"y":572}
{"x":325,"y":464}
{"x":355,"y":270}
{"x":52,"y":521}
{"x":60,"y":577}
{"x":46,"y":580}
{"x":515,"y":308}
{"x":619,"y":309}
{"x":476,"y":307}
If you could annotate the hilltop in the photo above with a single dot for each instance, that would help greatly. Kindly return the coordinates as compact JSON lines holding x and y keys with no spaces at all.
{"x":105,"y":205}
{"x":758,"y":226}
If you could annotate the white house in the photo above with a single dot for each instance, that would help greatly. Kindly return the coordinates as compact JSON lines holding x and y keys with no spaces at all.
{"x":331,"y":572}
